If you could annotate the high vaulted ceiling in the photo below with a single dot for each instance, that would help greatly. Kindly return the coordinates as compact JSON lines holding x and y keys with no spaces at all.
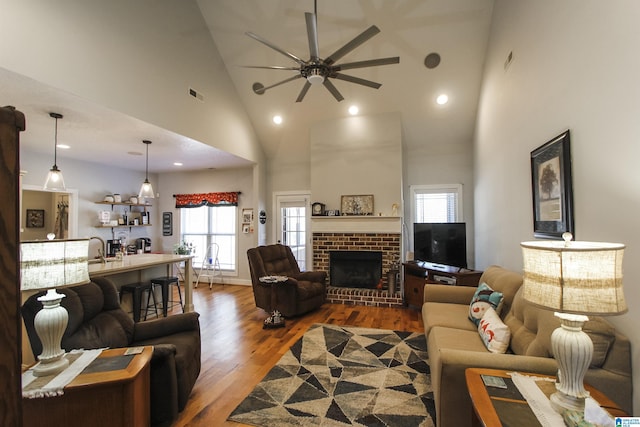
{"x":455,"y":29}
{"x":411,"y":29}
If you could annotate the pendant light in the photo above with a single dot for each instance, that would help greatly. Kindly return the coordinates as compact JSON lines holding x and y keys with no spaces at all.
{"x":146,"y":191}
{"x":55,"y":181}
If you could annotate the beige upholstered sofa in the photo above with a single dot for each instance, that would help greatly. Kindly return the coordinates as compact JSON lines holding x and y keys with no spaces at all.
{"x":454,"y":344}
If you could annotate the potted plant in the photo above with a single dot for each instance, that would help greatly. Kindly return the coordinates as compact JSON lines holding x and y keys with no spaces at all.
{"x":183,"y":248}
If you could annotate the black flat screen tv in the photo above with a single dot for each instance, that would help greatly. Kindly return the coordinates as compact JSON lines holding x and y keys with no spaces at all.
{"x":440,"y":243}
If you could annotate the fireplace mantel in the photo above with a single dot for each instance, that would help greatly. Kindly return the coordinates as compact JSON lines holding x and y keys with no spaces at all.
{"x":356,"y":224}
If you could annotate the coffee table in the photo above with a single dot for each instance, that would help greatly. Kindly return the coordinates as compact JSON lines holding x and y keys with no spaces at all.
{"x":495,"y":407}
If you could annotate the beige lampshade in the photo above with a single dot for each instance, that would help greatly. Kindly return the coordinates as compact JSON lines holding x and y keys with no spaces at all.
{"x":48,"y":264}
{"x":574,"y":277}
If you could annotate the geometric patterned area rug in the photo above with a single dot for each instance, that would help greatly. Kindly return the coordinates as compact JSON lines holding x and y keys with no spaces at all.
{"x":345,"y":376}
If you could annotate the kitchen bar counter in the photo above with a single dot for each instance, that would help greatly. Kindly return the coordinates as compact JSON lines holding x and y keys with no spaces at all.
{"x":139,"y":264}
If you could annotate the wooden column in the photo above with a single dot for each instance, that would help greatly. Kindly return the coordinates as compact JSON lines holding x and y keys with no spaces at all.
{"x":12,"y":122}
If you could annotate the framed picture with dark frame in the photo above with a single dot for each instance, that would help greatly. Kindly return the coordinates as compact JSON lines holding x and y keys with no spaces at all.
{"x":35,"y":218}
{"x":552,"y":188}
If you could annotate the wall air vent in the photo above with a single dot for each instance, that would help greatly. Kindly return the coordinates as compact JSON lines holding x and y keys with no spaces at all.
{"x":196,"y":94}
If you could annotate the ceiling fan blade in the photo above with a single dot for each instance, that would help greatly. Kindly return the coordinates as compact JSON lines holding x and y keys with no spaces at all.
{"x":271,"y":67}
{"x":263,"y":89}
{"x":357,"y":41}
{"x":303,"y":92}
{"x":333,"y":90}
{"x":357,"y":80}
{"x":369,"y":63}
{"x":274,"y":47}
{"x":312,"y":34}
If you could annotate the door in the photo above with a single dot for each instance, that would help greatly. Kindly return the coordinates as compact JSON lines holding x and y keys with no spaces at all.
{"x":293,"y":226}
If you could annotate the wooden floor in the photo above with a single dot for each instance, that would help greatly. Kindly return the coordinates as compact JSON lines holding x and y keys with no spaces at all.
{"x":237,"y":353}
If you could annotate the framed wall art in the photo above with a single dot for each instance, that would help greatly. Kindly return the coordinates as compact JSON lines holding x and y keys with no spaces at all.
{"x":247,"y":215}
{"x":552,"y":188}
{"x":357,"y":205}
{"x":35,"y":218}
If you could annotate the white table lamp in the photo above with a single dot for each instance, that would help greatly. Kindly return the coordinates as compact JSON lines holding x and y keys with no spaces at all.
{"x":574,"y":279}
{"x":50,"y":264}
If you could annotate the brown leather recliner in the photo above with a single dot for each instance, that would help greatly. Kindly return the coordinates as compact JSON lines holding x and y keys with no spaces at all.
{"x":96,"y":320}
{"x":302,"y":292}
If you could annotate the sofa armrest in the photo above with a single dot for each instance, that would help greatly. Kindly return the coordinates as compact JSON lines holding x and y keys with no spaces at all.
{"x":166,"y":326}
{"x":448,"y":294}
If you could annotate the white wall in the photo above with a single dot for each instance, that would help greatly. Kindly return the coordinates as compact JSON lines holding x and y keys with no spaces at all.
{"x":138,"y":58}
{"x":93,"y":181}
{"x":575,"y":67}
{"x":357,"y":155}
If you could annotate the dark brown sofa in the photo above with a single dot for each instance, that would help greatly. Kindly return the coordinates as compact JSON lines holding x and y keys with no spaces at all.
{"x":302,"y":292}
{"x":96,"y":320}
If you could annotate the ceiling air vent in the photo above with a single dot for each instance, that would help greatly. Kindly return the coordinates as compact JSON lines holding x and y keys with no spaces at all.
{"x":195,"y":94}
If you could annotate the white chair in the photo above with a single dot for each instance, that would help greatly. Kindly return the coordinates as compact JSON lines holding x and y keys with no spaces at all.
{"x":210,"y":266}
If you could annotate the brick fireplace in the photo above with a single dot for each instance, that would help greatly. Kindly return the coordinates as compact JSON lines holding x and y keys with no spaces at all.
{"x":386,"y":241}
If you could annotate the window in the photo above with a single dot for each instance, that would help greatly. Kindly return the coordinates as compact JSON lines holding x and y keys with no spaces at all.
{"x":436,"y":203}
{"x":205,"y":225}
{"x":294,"y":233}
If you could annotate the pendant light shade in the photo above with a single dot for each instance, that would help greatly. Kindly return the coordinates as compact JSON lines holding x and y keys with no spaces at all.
{"x":146,"y":191}
{"x":55,"y":181}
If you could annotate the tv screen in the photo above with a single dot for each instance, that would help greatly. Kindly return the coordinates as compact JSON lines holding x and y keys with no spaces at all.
{"x":440,"y":243}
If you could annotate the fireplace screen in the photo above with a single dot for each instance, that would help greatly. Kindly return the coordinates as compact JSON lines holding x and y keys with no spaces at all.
{"x":355,"y":269}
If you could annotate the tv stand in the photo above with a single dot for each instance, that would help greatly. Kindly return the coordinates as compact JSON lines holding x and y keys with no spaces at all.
{"x":418,"y":273}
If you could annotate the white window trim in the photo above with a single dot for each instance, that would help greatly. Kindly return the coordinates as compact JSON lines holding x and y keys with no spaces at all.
{"x":437,"y":188}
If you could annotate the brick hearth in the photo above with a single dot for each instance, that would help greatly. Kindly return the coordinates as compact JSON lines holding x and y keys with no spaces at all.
{"x":368,"y":297}
{"x":387,"y":243}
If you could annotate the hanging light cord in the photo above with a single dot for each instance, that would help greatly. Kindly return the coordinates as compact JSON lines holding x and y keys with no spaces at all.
{"x":56,"y":116}
{"x":146,"y":170}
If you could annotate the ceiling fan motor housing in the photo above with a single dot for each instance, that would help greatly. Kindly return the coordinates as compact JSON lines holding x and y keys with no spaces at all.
{"x":315,"y":74}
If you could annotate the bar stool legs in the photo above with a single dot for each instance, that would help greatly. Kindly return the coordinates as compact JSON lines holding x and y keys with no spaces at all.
{"x":165,"y":282}
{"x":136,"y":290}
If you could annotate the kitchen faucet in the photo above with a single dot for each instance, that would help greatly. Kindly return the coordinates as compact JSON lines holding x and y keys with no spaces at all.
{"x":101,"y":250}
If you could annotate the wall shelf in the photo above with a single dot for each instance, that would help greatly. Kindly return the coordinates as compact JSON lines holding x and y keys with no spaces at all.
{"x":138,"y":214}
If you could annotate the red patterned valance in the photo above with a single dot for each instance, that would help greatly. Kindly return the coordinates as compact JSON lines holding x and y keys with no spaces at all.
{"x":206,"y":199}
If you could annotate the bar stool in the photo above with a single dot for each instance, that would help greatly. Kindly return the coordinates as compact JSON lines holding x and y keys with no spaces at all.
{"x":164,"y":282}
{"x":136,"y":290}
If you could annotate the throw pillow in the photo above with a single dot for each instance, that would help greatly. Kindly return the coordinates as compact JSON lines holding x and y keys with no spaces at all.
{"x":494,"y":333}
{"x":484,"y":298}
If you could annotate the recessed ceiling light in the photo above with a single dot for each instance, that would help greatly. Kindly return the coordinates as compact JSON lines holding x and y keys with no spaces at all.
{"x":277,"y":119}
{"x":63,"y":146}
{"x":177,"y":164}
{"x":442,"y":99}
{"x":353,"y":110}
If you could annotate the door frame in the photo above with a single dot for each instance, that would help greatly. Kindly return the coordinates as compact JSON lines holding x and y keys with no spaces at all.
{"x":300,"y":195}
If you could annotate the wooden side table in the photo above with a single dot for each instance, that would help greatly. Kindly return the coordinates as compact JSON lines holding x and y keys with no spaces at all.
{"x":106,"y":398}
{"x":494,"y":407}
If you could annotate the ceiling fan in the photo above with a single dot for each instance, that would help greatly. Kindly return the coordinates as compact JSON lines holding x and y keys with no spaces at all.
{"x":317,"y":70}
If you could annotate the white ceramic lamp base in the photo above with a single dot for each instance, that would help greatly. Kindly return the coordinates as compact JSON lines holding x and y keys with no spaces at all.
{"x":50,"y":324}
{"x":573,"y":350}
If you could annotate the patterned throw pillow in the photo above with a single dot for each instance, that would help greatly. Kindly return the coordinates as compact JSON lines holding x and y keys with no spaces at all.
{"x":494,"y":333}
{"x":484,"y":298}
